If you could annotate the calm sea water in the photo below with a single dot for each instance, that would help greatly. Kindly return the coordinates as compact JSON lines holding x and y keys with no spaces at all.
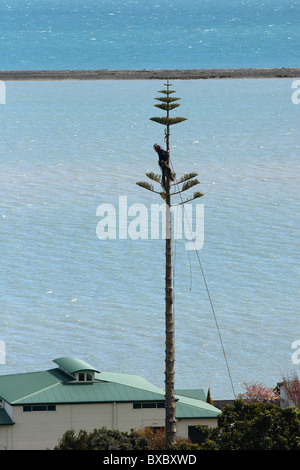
{"x":68,"y":147}
{"x":130,"y":34}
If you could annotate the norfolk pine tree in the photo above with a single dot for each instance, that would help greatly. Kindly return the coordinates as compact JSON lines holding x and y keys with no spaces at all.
{"x":168,"y":103}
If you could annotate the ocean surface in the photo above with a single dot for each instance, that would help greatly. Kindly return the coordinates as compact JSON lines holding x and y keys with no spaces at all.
{"x":155,"y":34}
{"x":69,"y":147}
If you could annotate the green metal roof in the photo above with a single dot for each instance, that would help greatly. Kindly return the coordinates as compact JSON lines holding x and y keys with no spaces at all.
{"x":18,"y":386}
{"x":89,"y":393}
{"x":131,"y":380}
{"x":57,"y":387}
{"x":72,"y":365}
{"x":193,"y":408}
{"x":4,"y":418}
{"x":197,"y":393}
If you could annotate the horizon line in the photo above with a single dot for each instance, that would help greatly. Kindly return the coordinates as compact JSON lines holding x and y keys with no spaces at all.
{"x":149,"y":74}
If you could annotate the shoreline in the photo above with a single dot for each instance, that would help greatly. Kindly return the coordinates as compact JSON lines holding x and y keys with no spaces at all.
{"x":173,"y":74}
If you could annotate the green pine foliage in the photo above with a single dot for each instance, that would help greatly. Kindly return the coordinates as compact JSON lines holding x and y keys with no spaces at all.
{"x":208,"y":398}
{"x":187,"y":176}
{"x":167,"y":106}
{"x":145,"y":185}
{"x":197,"y":194}
{"x":167,"y":103}
{"x":168,"y":121}
{"x":167,"y":99}
{"x":167,"y":92}
{"x":154,"y":176}
{"x":189,"y":184}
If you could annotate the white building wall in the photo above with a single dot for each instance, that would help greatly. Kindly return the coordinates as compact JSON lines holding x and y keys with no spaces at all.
{"x":41,"y":430}
{"x":38,"y":430}
{"x":8,"y":409}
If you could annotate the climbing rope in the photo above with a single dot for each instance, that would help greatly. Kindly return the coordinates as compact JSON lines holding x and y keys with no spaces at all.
{"x":208,"y":293}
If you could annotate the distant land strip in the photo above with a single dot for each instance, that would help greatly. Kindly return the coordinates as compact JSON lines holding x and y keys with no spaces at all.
{"x":172,"y":74}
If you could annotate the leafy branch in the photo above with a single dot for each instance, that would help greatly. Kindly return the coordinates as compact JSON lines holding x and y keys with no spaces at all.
{"x":150,"y":187}
{"x":195,"y":196}
{"x":187,"y":176}
{"x":167,"y":121}
{"x":189,"y":184}
{"x":154,"y":176}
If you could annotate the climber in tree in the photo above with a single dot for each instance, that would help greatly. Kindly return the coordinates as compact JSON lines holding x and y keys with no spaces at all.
{"x":163,"y":158}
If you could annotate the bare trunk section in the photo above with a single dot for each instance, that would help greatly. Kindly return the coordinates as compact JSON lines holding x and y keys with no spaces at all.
{"x":169,"y":343}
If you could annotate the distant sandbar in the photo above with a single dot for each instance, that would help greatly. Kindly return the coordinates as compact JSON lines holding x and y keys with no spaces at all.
{"x":173,"y":74}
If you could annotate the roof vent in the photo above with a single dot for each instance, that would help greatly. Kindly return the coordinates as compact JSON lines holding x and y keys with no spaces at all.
{"x":80,"y":370}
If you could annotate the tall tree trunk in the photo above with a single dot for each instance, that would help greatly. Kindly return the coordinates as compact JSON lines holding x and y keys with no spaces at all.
{"x":168,"y":103}
{"x":169,"y":351}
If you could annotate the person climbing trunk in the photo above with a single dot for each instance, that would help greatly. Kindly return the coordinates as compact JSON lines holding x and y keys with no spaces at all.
{"x":163,"y":159}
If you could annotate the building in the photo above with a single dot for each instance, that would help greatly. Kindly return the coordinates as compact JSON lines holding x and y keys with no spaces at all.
{"x":36,"y":408}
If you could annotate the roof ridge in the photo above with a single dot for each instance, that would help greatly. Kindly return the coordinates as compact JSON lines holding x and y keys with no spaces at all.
{"x":159,"y":390}
{"x":140,"y":385}
{"x":195,"y":402}
{"x":36,"y":392}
